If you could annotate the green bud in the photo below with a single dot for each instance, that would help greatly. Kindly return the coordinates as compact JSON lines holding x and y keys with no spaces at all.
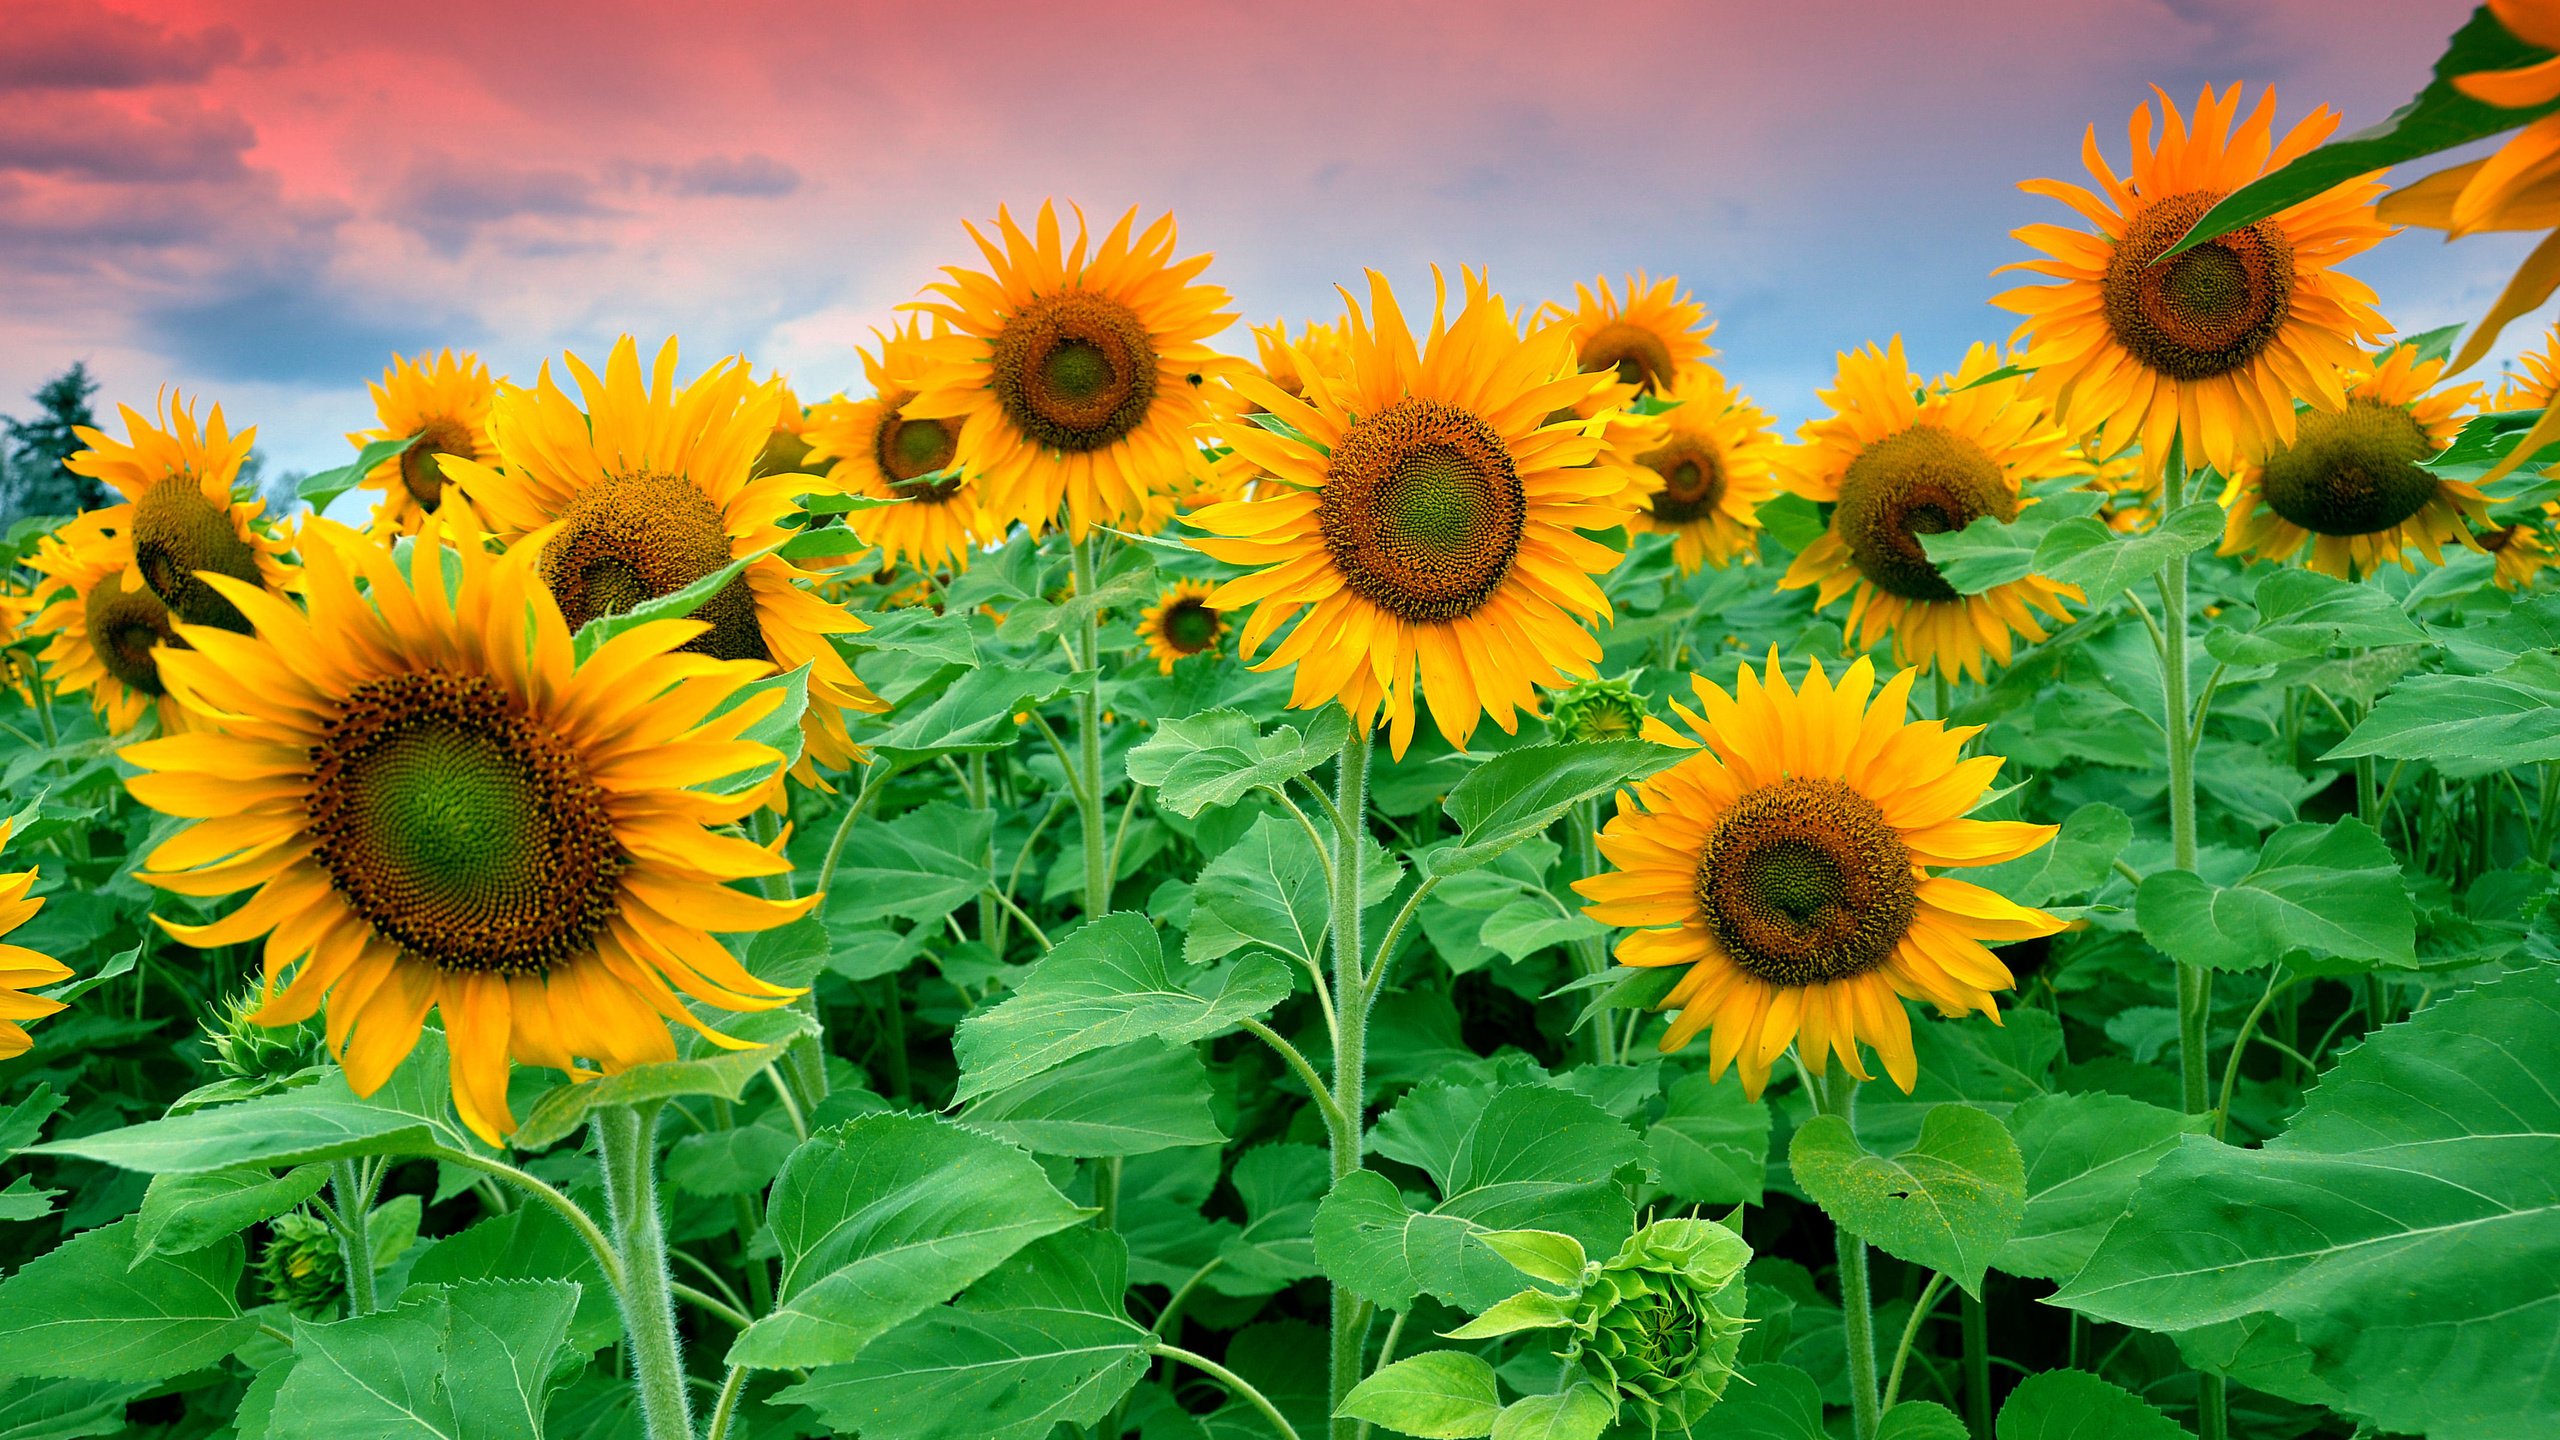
{"x":1660,"y":1322}
{"x":1599,"y":710}
{"x":301,"y":1267}
{"x":246,"y":1050}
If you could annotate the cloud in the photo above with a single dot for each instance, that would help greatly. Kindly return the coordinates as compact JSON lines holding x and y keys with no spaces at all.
{"x":749,"y":176}
{"x":288,"y":326}
{"x":90,"y":137}
{"x":70,"y":46}
{"x":449,"y":201}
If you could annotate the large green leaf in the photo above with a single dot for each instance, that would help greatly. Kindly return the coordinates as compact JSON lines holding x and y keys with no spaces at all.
{"x":2467,"y":725}
{"x":922,"y":865}
{"x":452,"y":1362}
{"x":1438,"y":1395}
{"x":2303,"y":612}
{"x":708,"y":1070}
{"x":1770,"y":1402}
{"x":1269,"y":890}
{"x":884,"y":1217}
{"x":530,"y":1242}
{"x":2330,"y":891}
{"x":2076,"y":1405}
{"x":64,"y":1409}
{"x":1281,"y":1187}
{"x":2079,"y":860}
{"x":676,"y":604}
{"x":2438,"y":119}
{"x":1106,"y":984}
{"x":2083,"y":1153}
{"x":324,"y":1121}
{"x":97,"y":1309}
{"x":1711,"y":1146}
{"x":1128,"y":1100}
{"x":188,"y":1212}
{"x":1519,"y":793}
{"x":974,"y":714}
{"x":1991,"y":551}
{"x":1218,"y":757}
{"x":1949,"y":1202}
{"x":320,"y":487}
{"x":1041,"y":1341}
{"x":2405,"y":1226}
{"x":2062,"y":539}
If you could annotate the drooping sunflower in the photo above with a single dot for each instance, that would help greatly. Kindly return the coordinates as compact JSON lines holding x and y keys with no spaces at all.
{"x":2521,"y":551}
{"x":1647,"y":336}
{"x":441,"y":810}
{"x":1898,"y":463}
{"x":1427,"y":519}
{"x":1075,"y":377}
{"x":1704,"y":482}
{"x":873,"y":448}
{"x":179,"y":511}
{"x":645,"y":489}
{"x":1789,"y":866}
{"x":2353,"y":482}
{"x":22,"y":969}
{"x":2215,"y":346}
{"x":1180,"y":624}
{"x":444,"y":400}
{"x":108,"y":630}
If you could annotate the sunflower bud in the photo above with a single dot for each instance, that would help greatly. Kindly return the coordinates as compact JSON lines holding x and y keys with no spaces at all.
{"x":1659,"y":1323}
{"x":301,"y":1267}
{"x":246,"y":1050}
{"x":1599,"y":710}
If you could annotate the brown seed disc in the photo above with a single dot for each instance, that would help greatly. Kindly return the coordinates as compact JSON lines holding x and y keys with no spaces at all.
{"x":1692,"y":475}
{"x":1189,"y":626}
{"x":1075,"y":371}
{"x":631,"y":538}
{"x":178,"y":532}
{"x":909,"y":449}
{"x":1920,"y":481}
{"x":1422,"y":510}
{"x":126,"y":627}
{"x":1638,"y":355}
{"x":2207,"y":312}
{"x":2353,"y":471}
{"x":1805,"y":881}
{"x":419,"y":470}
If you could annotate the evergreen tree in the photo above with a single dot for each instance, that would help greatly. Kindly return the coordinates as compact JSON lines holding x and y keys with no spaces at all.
{"x":38,"y":485}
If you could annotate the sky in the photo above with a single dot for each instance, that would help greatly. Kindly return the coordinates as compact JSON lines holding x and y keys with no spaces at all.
{"x":262,"y":200}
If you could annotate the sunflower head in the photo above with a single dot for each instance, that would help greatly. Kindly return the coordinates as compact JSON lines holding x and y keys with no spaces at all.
{"x":179,"y":512}
{"x":1645,"y":336}
{"x":1898,"y":461}
{"x":300,"y":1267}
{"x":2353,"y":483}
{"x":442,"y":399}
{"x":876,"y":449}
{"x":439,"y":806}
{"x":1181,"y":624}
{"x":1706,"y":472}
{"x":2520,"y":551}
{"x":1074,"y":370}
{"x":1423,"y":513}
{"x":106,"y":630}
{"x":22,"y":969}
{"x":2228,"y":335}
{"x":1789,"y":866}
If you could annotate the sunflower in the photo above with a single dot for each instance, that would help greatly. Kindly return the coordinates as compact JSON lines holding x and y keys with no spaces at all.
{"x":2215,"y":346}
{"x":1072,"y":375}
{"x":2540,"y":382}
{"x":1702,"y":484}
{"x":22,"y":969}
{"x":2354,"y":481}
{"x":874,"y":449}
{"x":440,"y":809}
{"x":1647,"y":337}
{"x":1424,"y":514}
{"x":178,"y":510}
{"x":1792,"y":856}
{"x":445,"y":402}
{"x":108,"y":630}
{"x":1898,"y":463}
{"x":645,"y":490}
{"x":1180,"y":624}
{"x":786,"y":449}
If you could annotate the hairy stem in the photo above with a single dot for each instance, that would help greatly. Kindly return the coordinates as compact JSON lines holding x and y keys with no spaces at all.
{"x":626,"y":1144}
{"x":1837,"y":1094}
{"x":1350,"y":1316}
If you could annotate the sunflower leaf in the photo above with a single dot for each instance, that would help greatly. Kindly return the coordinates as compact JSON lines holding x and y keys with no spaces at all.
{"x":1132,"y":1099}
{"x":2107,"y":564}
{"x":98,"y":1309}
{"x":2303,"y":612}
{"x":2076,"y":1405}
{"x":1519,"y":793}
{"x":2466,"y":725}
{"x":674,"y":605}
{"x":1950,"y":1202}
{"x":1439,"y":1395}
{"x":1218,"y":757}
{"x":2083,"y":1154}
{"x":1992,"y":552}
{"x":2332,"y":891}
{"x":321,"y":487}
{"x":188,"y":1212}
{"x":973,"y":714}
{"x":724,"y":1073}
{"x":469,"y":1361}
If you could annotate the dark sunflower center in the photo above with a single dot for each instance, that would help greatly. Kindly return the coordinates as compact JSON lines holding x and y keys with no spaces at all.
{"x":631,"y":538}
{"x":2494,"y":541}
{"x":125,"y":627}
{"x":909,"y":449}
{"x":177,"y":532}
{"x":1638,"y":355}
{"x":1805,"y":881}
{"x":1075,"y":370}
{"x":2211,"y":310}
{"x":2352,"y":472}
{"x":1692,"y":474}
{"x":1422,"y":510}
{"x":461,"y":828}
{"x":1189,"y":626}
{"x":1920,"y":481}
{"x":419,"y":470}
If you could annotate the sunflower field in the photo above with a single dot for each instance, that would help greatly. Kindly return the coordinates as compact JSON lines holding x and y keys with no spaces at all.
{"x":1441,"y":879}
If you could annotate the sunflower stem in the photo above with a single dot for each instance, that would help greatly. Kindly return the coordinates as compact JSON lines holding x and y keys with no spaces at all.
{"x":1591,"y":955}
{"x":355,"y":1241}
{"x":626,"y":1146}
{"x":1350,"y":1316}
{"x":1977,"y":1366}
{"x":1097,"y":856}
{"x":2195,"y":984}
{"x":1837,"y":1094}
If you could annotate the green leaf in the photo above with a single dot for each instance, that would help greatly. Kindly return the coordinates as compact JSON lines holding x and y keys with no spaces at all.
{"x":2104,"y":564}
{"x":1991,"y":552}
{"x":1711,"y":1146}
{"x":922,"y":865}
{"x":2080,"y":859}
{"x":2083,"y":1153}
{"x":1950,"y":1202}
{"x":973,"y":714}
{"x":2438,"y":119}
{"x":709,"y":1070}
{"x":1578,"y":1413}
{"x":1217,"y":757}
{"x":1921,"y":1420}
{"x":2404,"y":1225}
{"x":1036,"y":620}
{"x":1770,"y":1402}
{"x":1128,"y":1100}
{"x":739,"y":1160}
{"x":2303,"y":612}
{"x":1269,"y":890}
{"x":95,"y":1309}
{"x":1439,"y":1395}
{"x":1527,"y":1310}
{"x":451,"y":1362}
{"x":1539,"y":1254}
{"x":323,"y":1121}
{"x":530,"y":1242}
{"x":1106,"y":984}
{"x":917,"y":630}
{"x":1040,"y":1342}
{"x":1792,"y":521}
{"x":320,"y":487}
{"x":1519,"y":793}
{"x":23,"y":1201}
{"x":2466,"y":725}
{"x":674,"y":605}
{"x":778,"y":727}
{"x":64,"y":1409}
{"x":188,"y":1212}
{"x":882,"y":1218}
{"x":2076,"y":1405}
{"x":2328,"y":890}
{"x":1281,"y":1187}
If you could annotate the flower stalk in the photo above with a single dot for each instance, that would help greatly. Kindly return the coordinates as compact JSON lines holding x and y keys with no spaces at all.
{"x":1351,"y":994}
{"x":627,"y":1149}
